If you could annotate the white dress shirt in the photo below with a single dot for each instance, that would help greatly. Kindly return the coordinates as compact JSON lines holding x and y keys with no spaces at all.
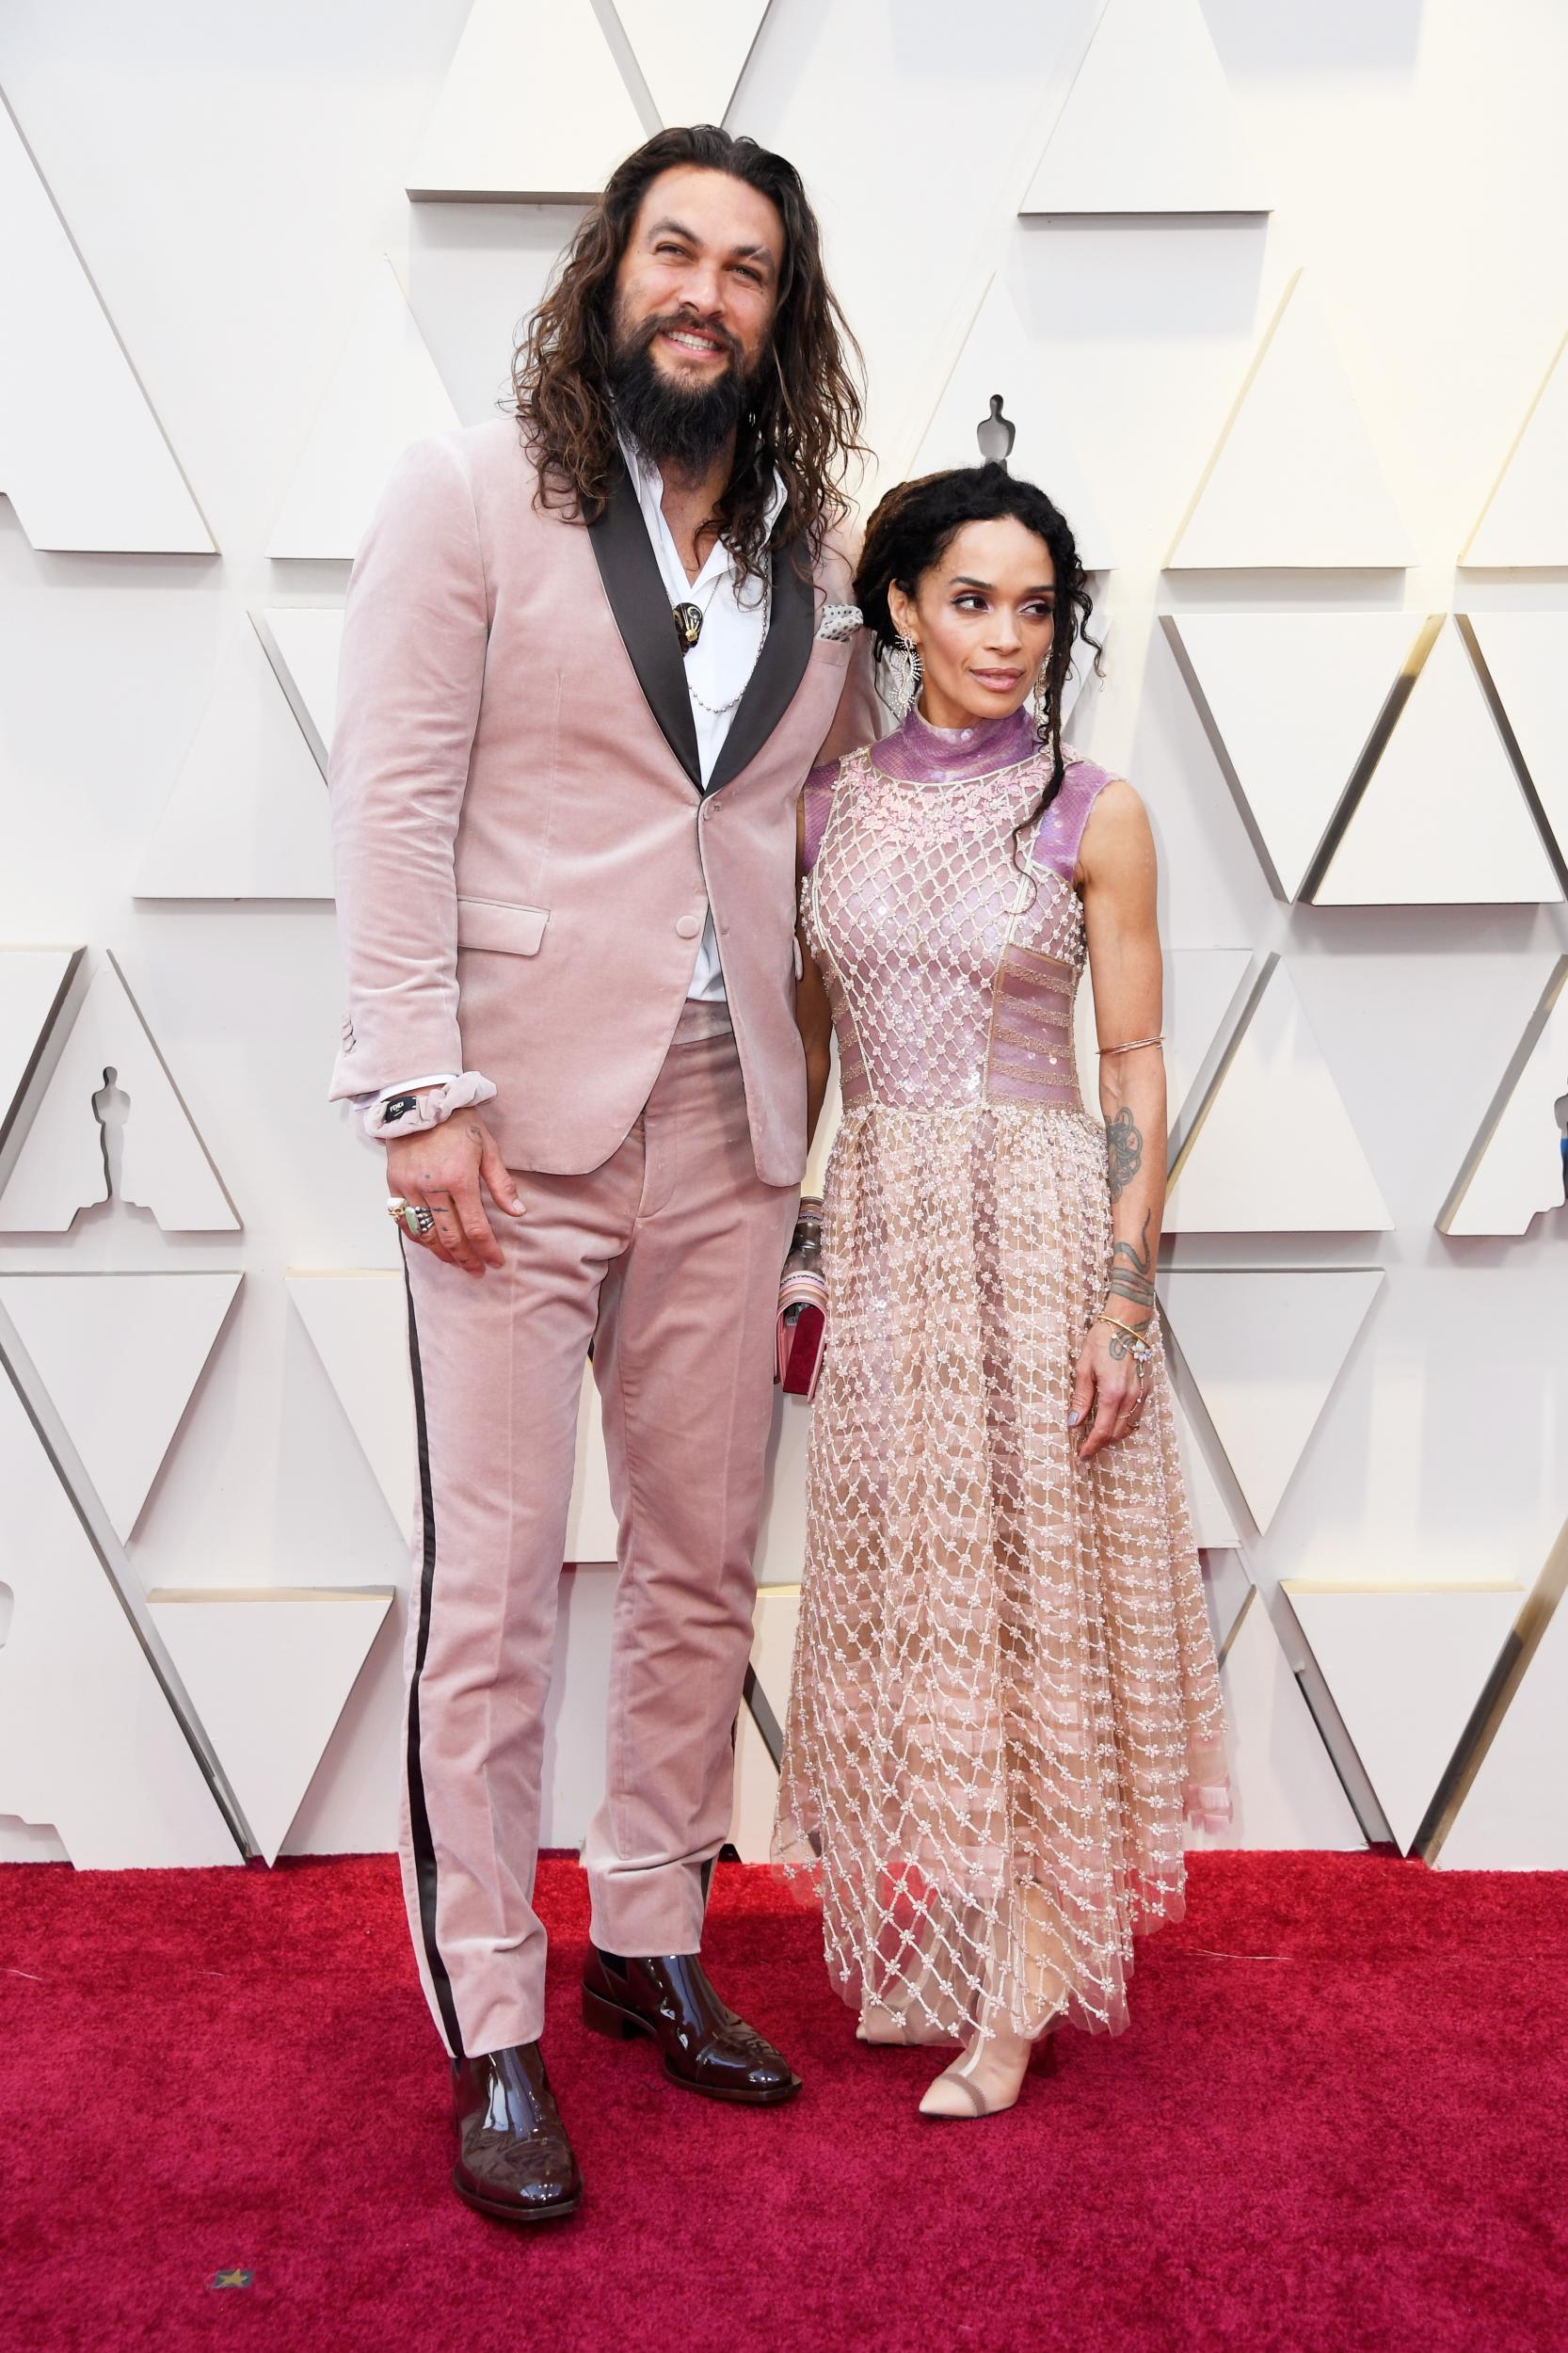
{"x":734,"y":619}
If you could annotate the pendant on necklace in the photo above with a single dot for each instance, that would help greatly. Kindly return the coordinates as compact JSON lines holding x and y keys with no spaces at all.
{"x":688,"y":624}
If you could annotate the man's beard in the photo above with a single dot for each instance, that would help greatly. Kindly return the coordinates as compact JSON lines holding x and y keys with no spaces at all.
{"x":684,"y":426}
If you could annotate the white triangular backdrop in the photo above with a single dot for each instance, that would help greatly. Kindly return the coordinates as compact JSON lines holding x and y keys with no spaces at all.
{"x":268,"y":1673}
{"x":1149,"y":125}
{"x":1442,"y":821}
{"x":999,"y":354}
{"x":1294,"y":698}
{"x":133,"y":1794}
{"x":165,"y":1166}
{"x":1525,"y":522}
{"x":1294,"y":482}
{"x":83,"y":458}
{"x":534,"y":107}
{"x":1264,"y":1350}
{"x":247,"y":817}
{"x":384,"y":392}
{"x":1515,"y":1169}
{"x":82,"y":1332}
{"x":1275,"y":1150}
{"x":1404,"y":1666}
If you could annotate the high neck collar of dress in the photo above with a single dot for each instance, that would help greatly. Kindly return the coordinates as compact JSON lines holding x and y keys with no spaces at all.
{"x":918,"y":753}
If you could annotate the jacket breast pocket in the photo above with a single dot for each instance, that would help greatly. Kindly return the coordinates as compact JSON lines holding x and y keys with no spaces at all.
{"x":494,"y":923}
{"x":832,"y":653}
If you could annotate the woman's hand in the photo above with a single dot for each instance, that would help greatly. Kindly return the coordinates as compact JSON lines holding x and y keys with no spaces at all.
{"x":1108,"y":1395}
{"x":442,"y":1168}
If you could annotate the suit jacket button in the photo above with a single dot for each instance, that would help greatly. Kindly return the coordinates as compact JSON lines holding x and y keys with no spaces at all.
{"x":688,"y":926}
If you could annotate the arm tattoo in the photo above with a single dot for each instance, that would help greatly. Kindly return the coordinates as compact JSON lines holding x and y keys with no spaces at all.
{"x":1134,"y":1282}
{"x":1123,"y":1143}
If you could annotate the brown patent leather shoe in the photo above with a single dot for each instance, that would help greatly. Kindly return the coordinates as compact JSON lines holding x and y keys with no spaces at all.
{"x":706,"y":2048}
{"x":514,"y":2159}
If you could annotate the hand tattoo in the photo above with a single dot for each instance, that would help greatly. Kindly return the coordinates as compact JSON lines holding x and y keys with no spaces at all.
{"x":1124,"y":1145}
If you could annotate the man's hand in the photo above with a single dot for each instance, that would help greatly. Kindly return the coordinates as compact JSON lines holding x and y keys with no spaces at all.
{"x":443,"y":1169}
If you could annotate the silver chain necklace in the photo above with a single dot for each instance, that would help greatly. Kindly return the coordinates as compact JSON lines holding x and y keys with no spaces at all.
{"x":717,"y":711}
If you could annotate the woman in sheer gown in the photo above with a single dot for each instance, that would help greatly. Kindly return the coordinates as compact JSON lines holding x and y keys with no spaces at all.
{"x":1005,"y":1706}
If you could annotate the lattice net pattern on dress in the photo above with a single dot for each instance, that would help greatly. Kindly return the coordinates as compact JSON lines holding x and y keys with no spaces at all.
{"x":1005,"y":1681}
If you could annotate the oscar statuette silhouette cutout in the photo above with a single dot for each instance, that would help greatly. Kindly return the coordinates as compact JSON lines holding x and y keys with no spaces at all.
{"x":996,"y":435}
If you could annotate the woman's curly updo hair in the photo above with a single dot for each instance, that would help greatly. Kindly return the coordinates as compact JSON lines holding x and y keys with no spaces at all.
{"x":912,"y":529}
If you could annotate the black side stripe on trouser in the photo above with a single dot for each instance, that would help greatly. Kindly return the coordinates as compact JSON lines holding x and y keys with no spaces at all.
{"x":419,"y":1819}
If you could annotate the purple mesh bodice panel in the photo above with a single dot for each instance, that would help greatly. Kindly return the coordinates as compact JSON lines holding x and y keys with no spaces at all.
{"x":950,"y":963}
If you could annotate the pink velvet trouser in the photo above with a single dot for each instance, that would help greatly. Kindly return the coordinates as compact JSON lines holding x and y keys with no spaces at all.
{"x":668,"y":1258}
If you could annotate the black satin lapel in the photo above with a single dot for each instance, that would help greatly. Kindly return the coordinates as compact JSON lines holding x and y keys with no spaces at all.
{"x":771,"y":685}
{"x":635,"y":588}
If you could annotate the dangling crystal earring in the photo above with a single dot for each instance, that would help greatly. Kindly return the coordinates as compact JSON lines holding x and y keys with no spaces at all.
{"x":902,"y":664}
{"x":1040,"y":704}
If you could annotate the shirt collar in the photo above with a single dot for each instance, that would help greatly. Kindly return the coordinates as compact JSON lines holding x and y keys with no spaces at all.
{"x":648,"y":482}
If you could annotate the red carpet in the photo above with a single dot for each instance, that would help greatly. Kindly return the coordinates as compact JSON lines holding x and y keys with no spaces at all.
{"x":1337,"y":2120}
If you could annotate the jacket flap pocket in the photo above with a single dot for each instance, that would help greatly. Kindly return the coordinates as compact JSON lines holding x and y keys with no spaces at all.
{"x":491,"y":923}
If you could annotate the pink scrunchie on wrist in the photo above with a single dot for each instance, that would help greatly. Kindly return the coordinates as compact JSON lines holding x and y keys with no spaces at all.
{"x":431,"y":1108}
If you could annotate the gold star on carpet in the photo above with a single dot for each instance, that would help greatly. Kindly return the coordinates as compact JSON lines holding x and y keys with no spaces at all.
{"x":233,"y":2279}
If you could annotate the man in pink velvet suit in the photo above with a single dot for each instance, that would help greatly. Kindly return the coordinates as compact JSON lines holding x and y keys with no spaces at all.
{"x":591,"y":651}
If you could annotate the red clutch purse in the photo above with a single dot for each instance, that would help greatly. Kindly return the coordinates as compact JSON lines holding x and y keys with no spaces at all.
{"x":802,"y":1306}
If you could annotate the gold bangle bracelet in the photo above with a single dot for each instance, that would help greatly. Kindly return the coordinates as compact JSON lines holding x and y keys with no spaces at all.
{"x":1134,"y":1043}
{"x":1117,"y":1326}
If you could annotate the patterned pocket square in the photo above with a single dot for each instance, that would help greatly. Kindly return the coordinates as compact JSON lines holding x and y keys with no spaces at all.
{"x":838,"y":622}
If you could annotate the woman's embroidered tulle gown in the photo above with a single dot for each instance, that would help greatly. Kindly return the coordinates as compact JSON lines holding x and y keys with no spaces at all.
{"x":1005,"y":1703}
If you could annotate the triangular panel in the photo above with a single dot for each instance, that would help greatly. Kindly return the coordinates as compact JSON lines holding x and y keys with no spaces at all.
{"x":1294,"y":483}
{"x":692,"y":57}
{"x":268,"y":1673}
{"x":1247,"y":669}
{"x":1284,"y":1786}
{"x":155,"y":1157}
{"x":1204,"y":990}
{"x":534,"y":109}
{"x":247,"y":817}
{"x":1213,"y":1526}
{"x":384,"y":393}
{"x":999,"y":356}
{"x":1442,"y":821}
{"x":755,"y":1774}
{"x":1514,"y":1815}
{"x":1526,"y":519}
{"x":1149,"y":125}
{"x":33,"y":985}
{"x":1275,"y":1151}
{"x":88,"y":1739}
{"x":1405,"y":1666}
{"x":119,"y":1355}
{"x":83,"y":459}
{"x":1525,"y":656}
{"x":303,"y":643}
{"x":359,"y":1323}
{"x":1263,"y":1350}
{"x":1517,"y":1167}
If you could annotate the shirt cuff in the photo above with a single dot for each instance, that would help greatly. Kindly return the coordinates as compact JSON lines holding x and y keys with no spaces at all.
{"x":449,"y":1096}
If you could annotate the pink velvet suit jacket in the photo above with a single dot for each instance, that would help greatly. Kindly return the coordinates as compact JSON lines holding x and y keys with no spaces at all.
{"x":524,"y":854}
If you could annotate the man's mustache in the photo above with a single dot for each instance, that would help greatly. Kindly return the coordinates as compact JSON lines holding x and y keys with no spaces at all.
{"x":691,"y":322}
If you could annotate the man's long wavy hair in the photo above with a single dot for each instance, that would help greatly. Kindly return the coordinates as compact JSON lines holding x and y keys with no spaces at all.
{"x":803,"y":408}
